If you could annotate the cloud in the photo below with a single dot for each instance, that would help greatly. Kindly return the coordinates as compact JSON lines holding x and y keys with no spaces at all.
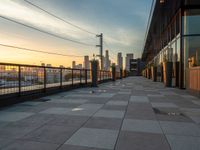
{"x":24,"y":13}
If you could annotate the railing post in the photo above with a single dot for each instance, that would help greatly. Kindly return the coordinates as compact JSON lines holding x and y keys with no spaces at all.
{"x":61,"y":77}
{"x":45,"y":79}
{"x":86,"y":76}
{"x":100,"y":75}
{"x":103,"y":76}
{"x":19,"y":79}
{"x":80,"y":76}
{"x":72,"y":77}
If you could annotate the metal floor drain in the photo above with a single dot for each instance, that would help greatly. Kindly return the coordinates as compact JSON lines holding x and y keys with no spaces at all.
{"x":158,"y":111}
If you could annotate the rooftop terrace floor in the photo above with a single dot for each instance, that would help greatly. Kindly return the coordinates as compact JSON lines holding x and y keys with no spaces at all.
{"x":129,"y":114}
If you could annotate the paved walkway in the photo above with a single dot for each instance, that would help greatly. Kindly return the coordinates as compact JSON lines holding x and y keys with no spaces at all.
{"x":132,"y":114}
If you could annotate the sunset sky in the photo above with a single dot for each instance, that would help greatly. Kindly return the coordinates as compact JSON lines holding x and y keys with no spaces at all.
{"x":123,"y":23}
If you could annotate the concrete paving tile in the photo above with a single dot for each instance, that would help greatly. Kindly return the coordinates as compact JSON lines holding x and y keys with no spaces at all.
{"x":110,"y":113}
{"x":196,"y":119}
{"x":34,"y":120}
{"x":72,"y":147}
{"x":168,"y":93}
{"x":104,"y":123}
{"x":31,"y":103}
{"x":67,"y":120}
{"x":155,"y":96}
{"x":4,"y":123}
{"x":26,"y":108}
{"x":183,"y":142}
{"x":191,"y":111}
{"x":56,"y":110}
{"x":77,"y":111}
{"x":123,"y":92}
{"x":197,"y":102}
{"x":140,"y":115}
{"x":140,"y":99}
{"x":102,"y":95}
{"x":4,"y":142}
{"x":30,"y":145}
{"x":118,"y":103}
{"x":139,"y":93}
{"x":13,"y":116}
{"x":91,"y":106}
{"x":97,"y":138}
{"x":51,"y":134}
{"x":173,"y":118}
{"x":13,"y":131}
{"x":62,"y":105}
{"x":75,"y":101}
{"x":189,"y":97}
{"x":141,"y":141}
{"x":180,"y":128}
{"x":149,"y":126}
{"x":97,"y":100}
{"x":114,"y":107}
{"x":142,"y":111}
{"x":165,"y":105}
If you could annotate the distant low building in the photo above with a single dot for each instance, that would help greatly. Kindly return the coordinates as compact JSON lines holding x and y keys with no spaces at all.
{"x":128,"y":58}
{"x":136,"y":67}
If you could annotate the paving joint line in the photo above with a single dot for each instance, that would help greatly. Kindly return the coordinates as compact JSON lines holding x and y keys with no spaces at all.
{"x":85,"y":121}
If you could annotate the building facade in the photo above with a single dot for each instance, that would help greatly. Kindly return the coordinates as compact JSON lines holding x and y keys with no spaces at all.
{"x":107,"y":61}
{"x":128,"y":58}
{"x":86,"y":62}
{"x":173,"y":35}
{"x":73,"y":64}
{"x":120,"y":60}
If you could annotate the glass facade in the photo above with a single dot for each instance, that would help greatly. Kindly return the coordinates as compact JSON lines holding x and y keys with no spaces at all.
{"x":179,"y":37}
{"x":191,"y":41}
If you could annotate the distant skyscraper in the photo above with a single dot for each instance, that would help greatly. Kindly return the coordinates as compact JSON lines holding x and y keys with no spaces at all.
{"x":48,"y":65}
{"x":79,"y":66}
{"x":128,"y":58}
{"x":73,"y":64}
{"x":120,"y":60}
{"x":86,"y":62}
{"x":107,"y":61}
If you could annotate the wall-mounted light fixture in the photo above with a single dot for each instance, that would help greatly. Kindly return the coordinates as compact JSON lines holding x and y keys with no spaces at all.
{"x":162,"y":1}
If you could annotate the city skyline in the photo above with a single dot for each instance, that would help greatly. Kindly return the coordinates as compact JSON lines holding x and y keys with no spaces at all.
{"x":117,"y":38}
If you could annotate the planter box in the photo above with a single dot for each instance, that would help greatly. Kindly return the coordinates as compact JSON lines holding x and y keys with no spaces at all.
{"x":154,"y":73}
{"x":161,"y":73}
{"x":94,"y":66}
{"x":149,"y":73}
{"x":113,"y":73}
{"x":121,"y":74}
{"x":167,"y":73}
{"x":176,"y":73}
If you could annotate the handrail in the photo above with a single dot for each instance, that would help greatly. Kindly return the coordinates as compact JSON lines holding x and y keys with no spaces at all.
{"x":21,"y":78}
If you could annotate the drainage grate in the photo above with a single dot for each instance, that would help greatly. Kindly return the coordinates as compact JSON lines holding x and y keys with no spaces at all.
{"x":158,"y":111}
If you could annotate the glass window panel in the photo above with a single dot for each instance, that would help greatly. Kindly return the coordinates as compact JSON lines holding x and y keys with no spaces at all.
{"x":192,"y":2}
{"x":192,"y":51}
{"x":178,"y":43}
{"x":191,"y":22}
{"x":174,"y":59}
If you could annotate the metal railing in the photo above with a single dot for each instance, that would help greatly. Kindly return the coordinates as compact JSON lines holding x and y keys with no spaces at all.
{"x":104,"y":75}
{"x":22,"y":79}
